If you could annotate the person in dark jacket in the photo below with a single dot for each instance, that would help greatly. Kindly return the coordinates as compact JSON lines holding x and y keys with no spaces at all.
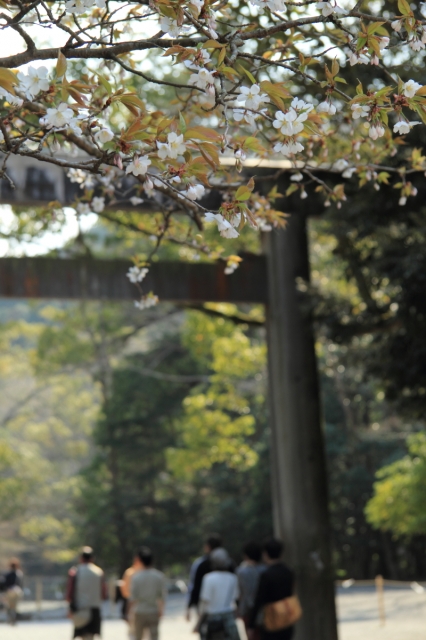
{"x":202,"y":568}
{"x":275,"y":583}
{"x":13,"y":582}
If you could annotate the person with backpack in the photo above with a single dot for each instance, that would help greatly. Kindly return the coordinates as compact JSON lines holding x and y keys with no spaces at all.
{"x":85,"y":591}
{"x":218,"y":597}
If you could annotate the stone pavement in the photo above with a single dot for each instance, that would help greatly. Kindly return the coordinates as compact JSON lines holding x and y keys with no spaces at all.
{"x":405,"y":611}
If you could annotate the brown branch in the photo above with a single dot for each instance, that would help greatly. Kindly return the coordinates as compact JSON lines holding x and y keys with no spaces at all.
{"x":236,"y":318}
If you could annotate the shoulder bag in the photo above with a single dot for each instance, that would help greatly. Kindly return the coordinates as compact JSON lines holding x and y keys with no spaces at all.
{"x":282,"y":614}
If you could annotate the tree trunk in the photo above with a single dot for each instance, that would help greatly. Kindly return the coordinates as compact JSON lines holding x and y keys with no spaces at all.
{"x":299,"y":479}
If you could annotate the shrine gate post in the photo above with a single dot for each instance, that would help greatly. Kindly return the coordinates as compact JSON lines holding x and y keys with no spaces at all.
{"x":299,"y":477}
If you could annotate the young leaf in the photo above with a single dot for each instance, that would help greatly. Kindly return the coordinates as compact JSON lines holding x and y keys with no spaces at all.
{"x":61,"y":65}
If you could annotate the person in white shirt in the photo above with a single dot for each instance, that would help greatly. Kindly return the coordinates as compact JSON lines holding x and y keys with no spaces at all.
{"x":219,"y":593}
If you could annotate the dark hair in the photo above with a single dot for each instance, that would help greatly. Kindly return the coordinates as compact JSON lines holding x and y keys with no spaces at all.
{"x":253,"y":551}
{"x":87,"y":554}
{"x":273,"y":548}
{"x":146,"y":556}
{"x":214,"y":541}
{"x":14,"y":564}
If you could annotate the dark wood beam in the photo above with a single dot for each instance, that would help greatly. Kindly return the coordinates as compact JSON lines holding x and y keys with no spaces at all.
{"x":85,"y":278}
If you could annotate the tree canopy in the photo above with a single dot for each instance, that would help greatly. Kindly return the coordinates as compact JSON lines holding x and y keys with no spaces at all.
{"x":162,"y":100}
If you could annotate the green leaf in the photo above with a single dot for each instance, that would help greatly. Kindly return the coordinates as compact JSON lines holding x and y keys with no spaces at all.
{"x":182,"y":122}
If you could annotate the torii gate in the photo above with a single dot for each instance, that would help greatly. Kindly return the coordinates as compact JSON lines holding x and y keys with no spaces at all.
{"x":299,"y":480}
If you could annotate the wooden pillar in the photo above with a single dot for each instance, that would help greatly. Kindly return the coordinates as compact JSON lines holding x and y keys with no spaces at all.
{"x":299,"y":481}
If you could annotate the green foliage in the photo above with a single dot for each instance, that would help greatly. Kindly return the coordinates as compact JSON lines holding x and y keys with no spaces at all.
{"x":400,"y":492}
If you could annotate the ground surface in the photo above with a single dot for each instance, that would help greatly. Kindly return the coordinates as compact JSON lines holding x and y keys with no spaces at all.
{"x":358,"y":615}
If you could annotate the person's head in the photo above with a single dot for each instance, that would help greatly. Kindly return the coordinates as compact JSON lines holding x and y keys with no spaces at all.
{"x":145,"y":556}
{"x":272,"y":550}
{"x":220,"y":560}
{"x":214,"y":541}
{"x":86,"y":555}
{"x":252,"y":551}
{"x":14,"y":564}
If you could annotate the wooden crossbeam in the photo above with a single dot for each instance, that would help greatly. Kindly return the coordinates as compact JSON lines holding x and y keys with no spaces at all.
{"x":83,"y":278}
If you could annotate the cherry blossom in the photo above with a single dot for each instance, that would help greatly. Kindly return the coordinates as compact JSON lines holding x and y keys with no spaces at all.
{"x":172,"y":148}
{"x":137,"y":274}
{"x":326,"y":107}
{"x":58,"y":116}
{"x":410,"y":88}
{"x":138,"y":166}
{"x":35,"y":81}
{"x":104,"y":135}
{"x":170,"y":26}
{"x":98,"y":204}
{"x":81,"y":6}
{"x":251,"y":97}
{"x":402,"y":127}
{"x":146,"y":302}
{"x":204,"y":79}
{"x":376,"y":131}
{"x":195,"y":192}
{"x":225,"y":228}
{"x":328,"y":8}
{"x":359,"y":111}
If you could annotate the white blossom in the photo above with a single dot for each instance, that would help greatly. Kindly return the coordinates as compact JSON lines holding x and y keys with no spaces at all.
{"x":376,"y":131}
{"x":135,"y":200}
{"x":396,"y":25}
{"x":328,"y":8}
{"x":83,"y":208}
{"x":198,"y":5}
{"x":296,"y":177}
{"x":383,"y":42}
{"x":104,"y":135}
{"x":146,"y":302}
{"x":137,"y":274}
{"x":340,"y":165}
{"x":98,"y":204}
{"x":290,"y":123}
{"x":195,"y":192}
{"x":202,"y":58}
{"x":138,"y":166}
{"x":57,"y":116}
{"x":81,"y":6}
{"x":167,"y":25}
{"x":348,"y":173}
{"x":225,"y":228}
{"x":410,"y":88}
{"x":288,"y":148}
{"x":326,"y":107}
{"x":241,"y":114}
{"x":173,"y":148}
{"x":402,"y":201}
{"x":204,"y":79}
{"x":35,"y":81}
{"x":251,"y":97}
{"x":273,"y":5}
{"x":416,"y":44}
{"x":359,"y":111}
{"x":403,"y":126}
{"x":15,"y":101}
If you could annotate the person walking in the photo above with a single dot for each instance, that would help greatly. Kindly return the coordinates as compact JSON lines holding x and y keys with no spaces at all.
{"x":128,"y":611}
{"x":218,"y":596}
{"x":13,"y":583}
{"x":85,"y":591}
{"x":199,"y":569}
{"x":148,"y":590}
{"x":275,"y":584}
{"x":248,"y":574}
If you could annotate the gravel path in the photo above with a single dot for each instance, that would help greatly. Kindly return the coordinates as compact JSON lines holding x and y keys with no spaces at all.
{"x":405,"y":611}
